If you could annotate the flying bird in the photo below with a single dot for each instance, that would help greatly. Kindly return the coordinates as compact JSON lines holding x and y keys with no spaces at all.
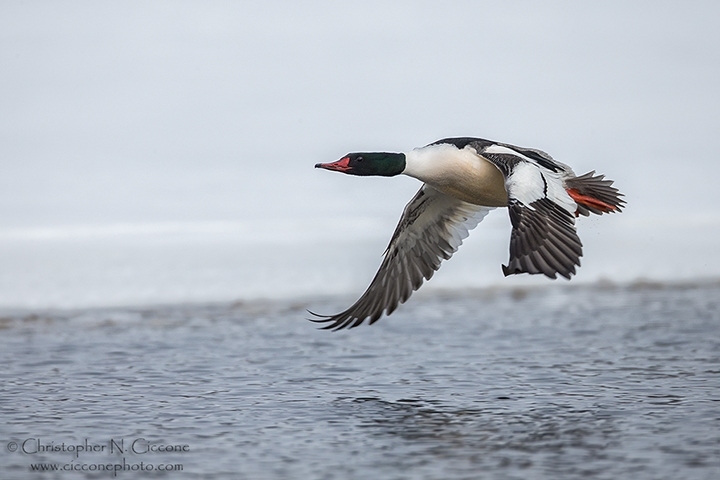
{"x":463,"y":179}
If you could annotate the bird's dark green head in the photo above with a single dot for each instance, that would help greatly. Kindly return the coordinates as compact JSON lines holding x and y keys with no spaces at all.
{"x":377,"y":163}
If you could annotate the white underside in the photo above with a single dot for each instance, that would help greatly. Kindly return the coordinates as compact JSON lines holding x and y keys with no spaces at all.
{"x":462,"y":174}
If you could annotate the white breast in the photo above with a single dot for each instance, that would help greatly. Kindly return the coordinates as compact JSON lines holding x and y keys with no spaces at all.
{"x":460,"y":173}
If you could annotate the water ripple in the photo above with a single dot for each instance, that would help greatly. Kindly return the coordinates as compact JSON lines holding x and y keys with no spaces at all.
{"x":583,"y":382}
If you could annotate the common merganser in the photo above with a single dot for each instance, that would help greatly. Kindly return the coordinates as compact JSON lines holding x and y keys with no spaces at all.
{"x":464,"y":178}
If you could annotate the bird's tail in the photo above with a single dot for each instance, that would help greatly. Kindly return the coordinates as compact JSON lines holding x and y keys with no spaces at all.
{"x":593,"y":193}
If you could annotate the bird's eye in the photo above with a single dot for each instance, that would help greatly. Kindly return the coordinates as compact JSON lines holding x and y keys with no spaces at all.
{"x":359,"y":159}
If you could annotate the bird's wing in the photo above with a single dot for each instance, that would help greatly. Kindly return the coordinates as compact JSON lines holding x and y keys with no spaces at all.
{"x":432,"y":227}
{"x":543,"y":238}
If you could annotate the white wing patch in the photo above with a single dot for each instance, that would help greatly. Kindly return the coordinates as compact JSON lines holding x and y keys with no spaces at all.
{"x":557,"y":193}
{"x":542,"y":213}
{"x":503,"y":150}
{"x":530,"y":181}
{"x":526,"y":183}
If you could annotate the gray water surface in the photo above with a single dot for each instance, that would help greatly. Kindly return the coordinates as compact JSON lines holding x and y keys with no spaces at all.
{"x":600,"y":382}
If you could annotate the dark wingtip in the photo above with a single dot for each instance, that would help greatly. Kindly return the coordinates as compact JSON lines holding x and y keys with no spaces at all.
{"x":324,"y":319}
{"x":320,"y":319}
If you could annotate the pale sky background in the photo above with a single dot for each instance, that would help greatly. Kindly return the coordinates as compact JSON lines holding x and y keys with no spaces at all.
{"x":163,"y":151}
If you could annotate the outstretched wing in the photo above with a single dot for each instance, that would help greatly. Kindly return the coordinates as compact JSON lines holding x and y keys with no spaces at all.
{"x":543,"y":238}
{"x":432,"y":227}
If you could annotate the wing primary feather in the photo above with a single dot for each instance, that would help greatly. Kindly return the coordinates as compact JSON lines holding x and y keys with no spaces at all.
{"x":431,"y":228}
